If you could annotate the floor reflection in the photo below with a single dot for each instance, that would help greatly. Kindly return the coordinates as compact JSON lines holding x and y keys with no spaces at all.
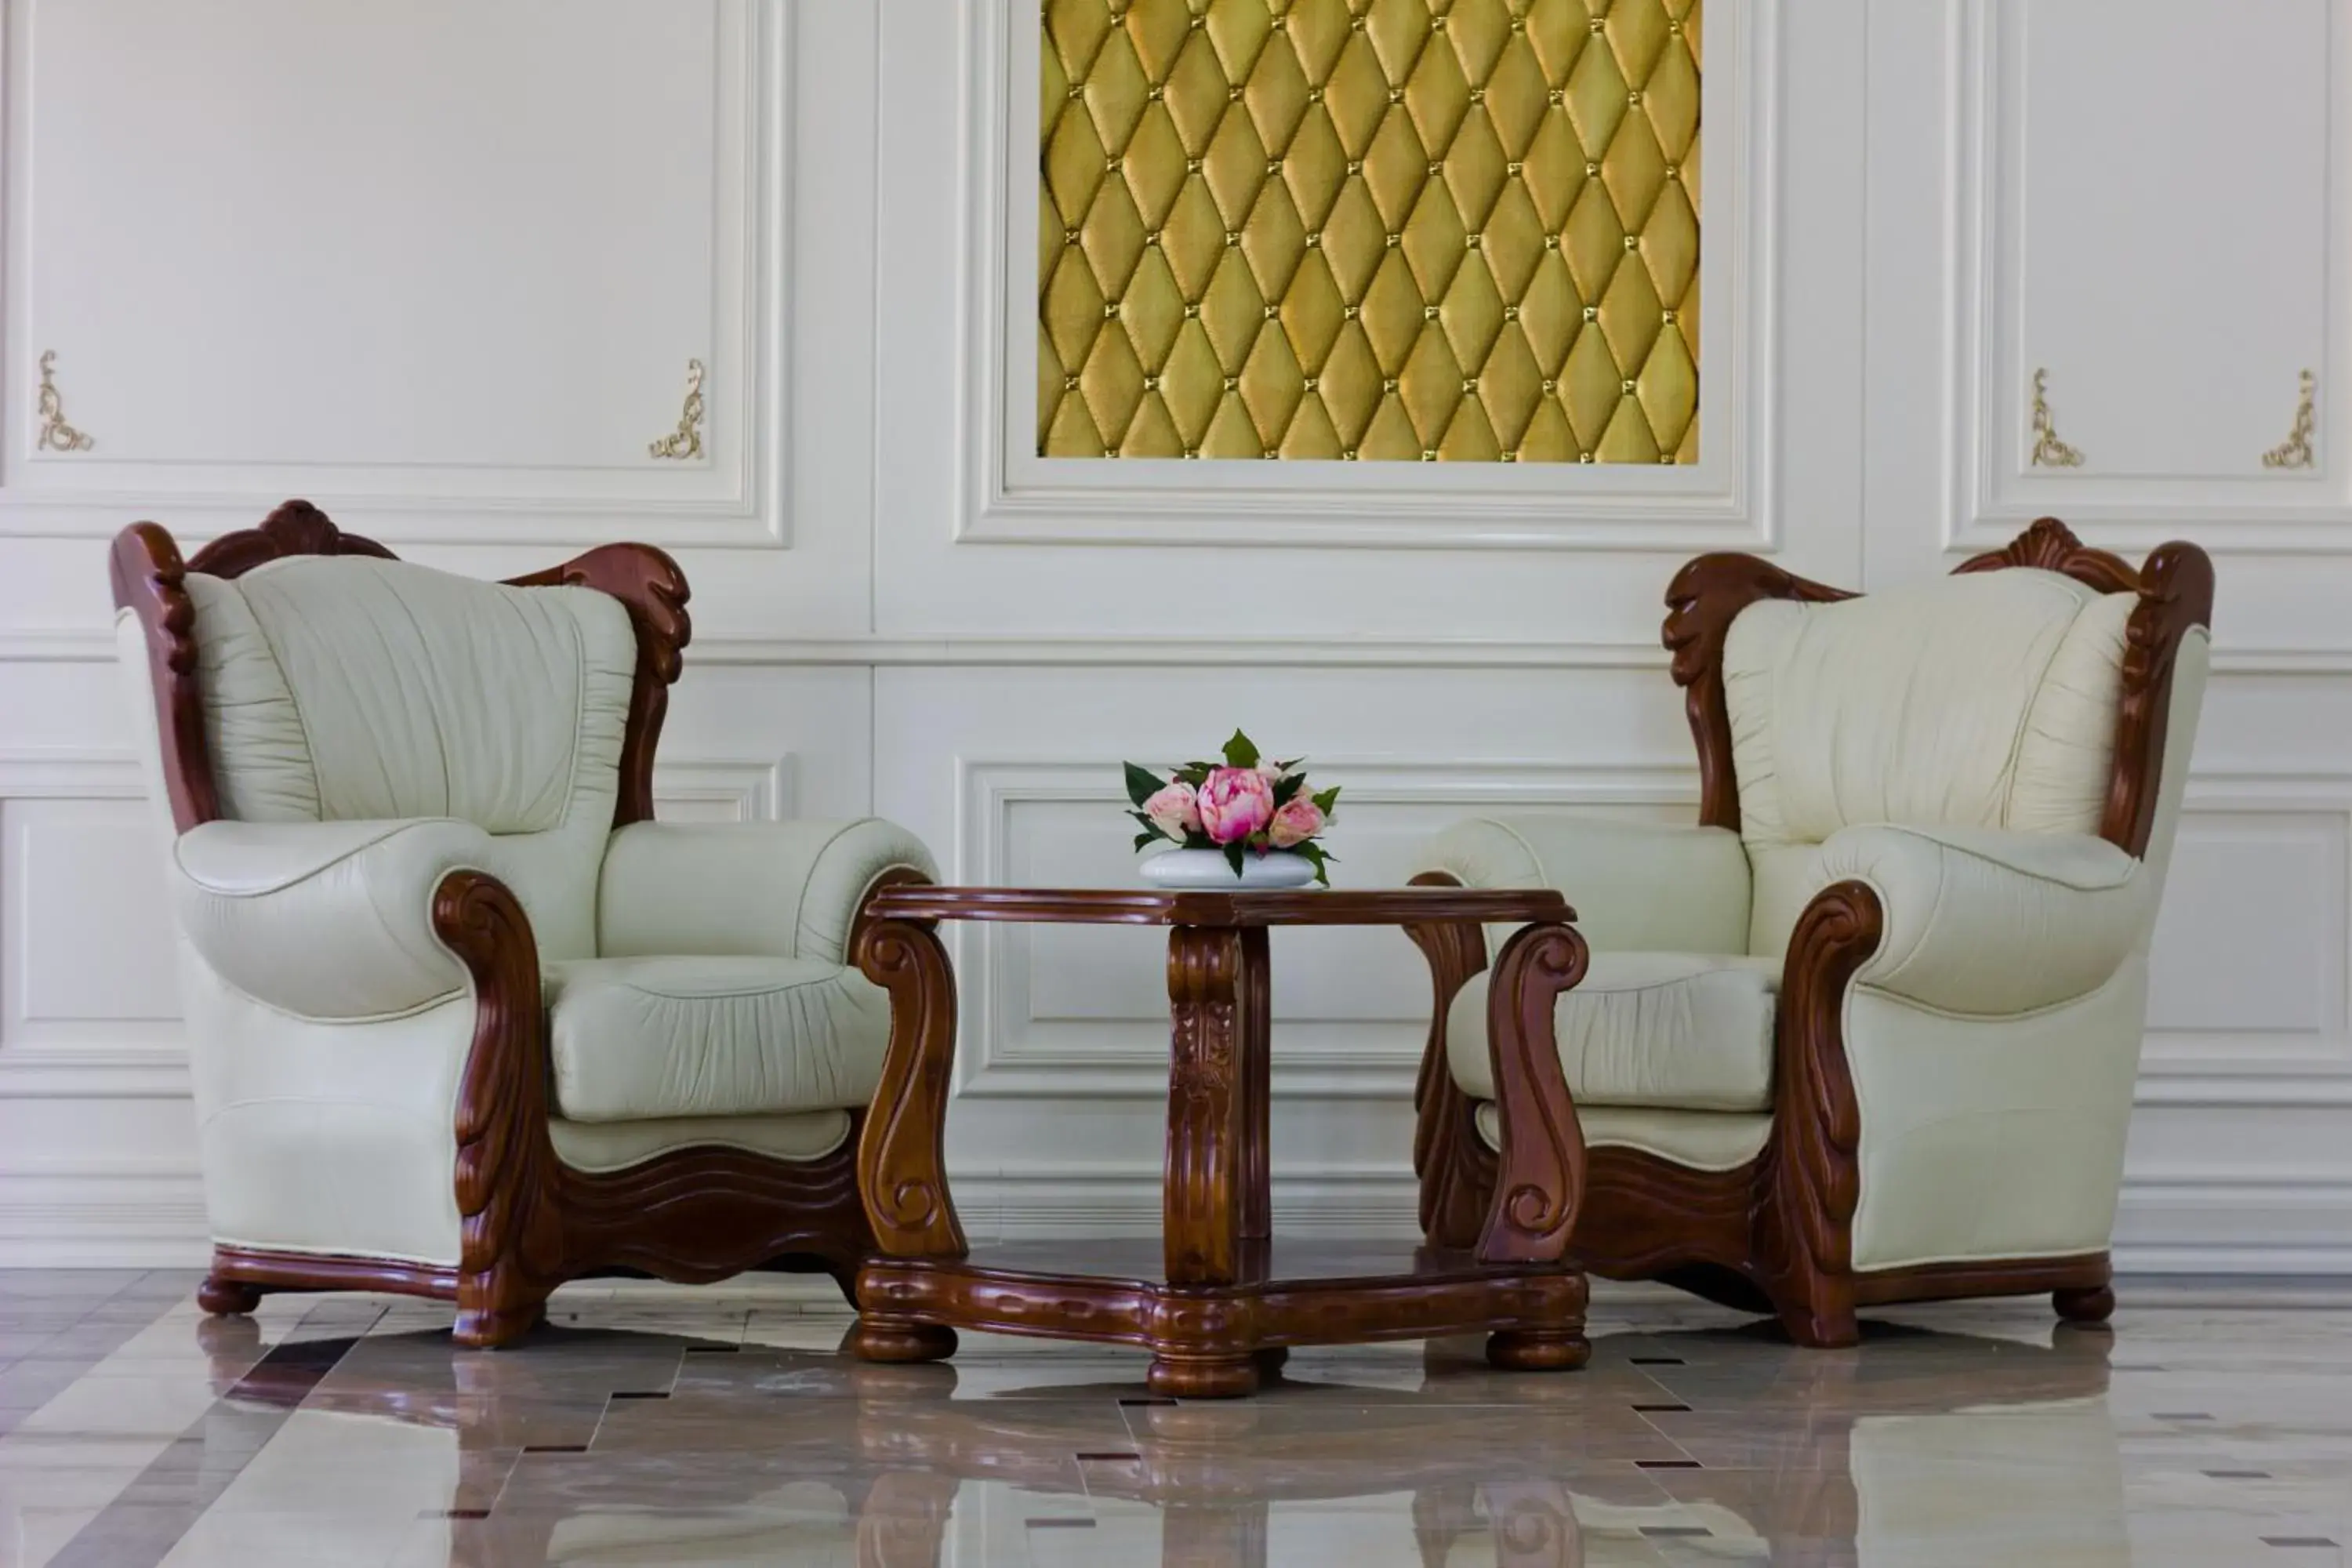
{"x":616,"y":1446}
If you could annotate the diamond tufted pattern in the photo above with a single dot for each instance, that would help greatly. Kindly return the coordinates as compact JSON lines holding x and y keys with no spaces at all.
{"x":1436,"y":229}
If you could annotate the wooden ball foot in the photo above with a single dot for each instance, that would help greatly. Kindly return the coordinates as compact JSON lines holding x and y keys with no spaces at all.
{"x":488,"y":1328}
{"x":1188,"y":1377}
{"x":901,"y":1342}
{"x":2092,"y":1306}
{"x":227,"y":1298}
{"x":1539,"y":1350}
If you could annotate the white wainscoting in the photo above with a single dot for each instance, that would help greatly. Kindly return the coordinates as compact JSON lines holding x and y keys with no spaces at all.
{"x":454,"y":319}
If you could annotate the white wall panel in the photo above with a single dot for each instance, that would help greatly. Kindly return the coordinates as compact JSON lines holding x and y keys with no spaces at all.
{"x":2124,"y":187}
{"x":281,"y":246}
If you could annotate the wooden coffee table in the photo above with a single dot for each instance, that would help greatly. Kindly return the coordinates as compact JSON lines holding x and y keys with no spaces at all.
{"x":1220,"y":1301}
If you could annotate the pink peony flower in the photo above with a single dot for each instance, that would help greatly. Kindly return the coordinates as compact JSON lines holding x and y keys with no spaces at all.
{"x":1234,"y":804}
{"x":1299,"y":820}
{"x":1175,"y":810}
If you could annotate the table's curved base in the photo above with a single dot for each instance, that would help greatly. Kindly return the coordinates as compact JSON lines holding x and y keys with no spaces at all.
{"x":1219,"y":1341}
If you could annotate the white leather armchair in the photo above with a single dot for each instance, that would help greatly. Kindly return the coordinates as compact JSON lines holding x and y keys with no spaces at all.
{"x":462,"y":1021}
{"x":1869,"y":1031}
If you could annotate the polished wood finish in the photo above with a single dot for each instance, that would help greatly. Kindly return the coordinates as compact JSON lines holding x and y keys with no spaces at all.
{"x":1223,"y":1302}
{"x":1776,"y":1234}
{"x":902,"y":1166}
{"x":2089,"y":1304}
{"x":1208,"y":1341}
{"x":1813,"y":1180}
{"x":1539,"y":1171}
{"x":1286,"y":906}
{"x":528,"y":1222}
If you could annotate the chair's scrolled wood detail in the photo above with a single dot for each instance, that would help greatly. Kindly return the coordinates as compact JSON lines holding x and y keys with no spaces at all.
{"x":1455,"y":1168}
{"x":653,"y":589}
{"x":1703,"y":599}
{"x":296,"y":528}
{"x":1540,"y":1167}
{"x":902,"y":1166}
{"x":512,"y":1234}
{"x":2176,"y":593}
{"x":150,"y":581}
{"x":1810,"y":1179}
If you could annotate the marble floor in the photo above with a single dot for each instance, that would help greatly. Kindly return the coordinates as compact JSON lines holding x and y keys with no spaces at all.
{"x":653,"y":1425}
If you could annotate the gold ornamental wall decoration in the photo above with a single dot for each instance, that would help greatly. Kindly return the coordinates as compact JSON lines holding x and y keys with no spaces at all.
{"x":1402,"y":229}
{"x":2295,"y":452}
{"x":2048,"y":452}
{"x":55,"y":435}
{"x":686,"y":441}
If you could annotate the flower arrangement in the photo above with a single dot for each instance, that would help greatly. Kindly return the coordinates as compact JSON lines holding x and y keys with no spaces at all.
{"x":1246,"y":807}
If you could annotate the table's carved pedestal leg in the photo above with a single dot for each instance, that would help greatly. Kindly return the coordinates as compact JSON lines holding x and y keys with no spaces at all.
{"x":1215,"y":1209}
{"x":901,"y":1171}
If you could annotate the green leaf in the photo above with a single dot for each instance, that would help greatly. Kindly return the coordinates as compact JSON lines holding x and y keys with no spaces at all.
{"x":1283,"y":789}
{"x":1153,"y":836}
{"x":1316,"y":853}
{"x":1234,"y":858}
{"x":1195,"y":774}
{"x":1240,"y":752}
{"x":1141,"y":786}
{"x":1326,"y":801}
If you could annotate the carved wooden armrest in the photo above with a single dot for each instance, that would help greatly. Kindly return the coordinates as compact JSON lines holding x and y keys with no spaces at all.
{"x":901,"y":1154}
{"x":1517,"y":1204}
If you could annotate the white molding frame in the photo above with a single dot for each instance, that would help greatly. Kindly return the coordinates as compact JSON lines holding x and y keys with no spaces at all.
{"x":128,"y":1070}
{"x":2185,"y":1067}
{"x":1990,"y":489}
{"x":749,"y":335}
{"x":1728,"y":500}
{"x":759,"y":791}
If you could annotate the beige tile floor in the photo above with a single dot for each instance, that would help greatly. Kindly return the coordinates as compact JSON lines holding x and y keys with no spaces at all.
{"x":651,"y":1425}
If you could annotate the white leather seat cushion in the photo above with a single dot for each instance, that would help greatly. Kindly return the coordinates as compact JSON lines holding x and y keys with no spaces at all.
{"x":1676,"y":1031}
{"x":635,"y":1038}
{"x":1699,"y":1140}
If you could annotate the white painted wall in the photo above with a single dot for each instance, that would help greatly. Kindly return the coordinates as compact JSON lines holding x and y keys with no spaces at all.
{"x":439,"y":268}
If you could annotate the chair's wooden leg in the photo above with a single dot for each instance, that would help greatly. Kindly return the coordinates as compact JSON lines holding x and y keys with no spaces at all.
{"x":1818,"y":1312}
{"x":487,"y":1325}
{"x":227,"y":1297}
{"x":2089,"y":1306}
{"x":1812,"y":1173}
{"x":900,"y":1342}
{"x":511,"y":1253}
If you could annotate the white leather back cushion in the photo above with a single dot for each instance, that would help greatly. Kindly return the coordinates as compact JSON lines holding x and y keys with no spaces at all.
{"x":1987,"y":699}
{"x":353,"y":688}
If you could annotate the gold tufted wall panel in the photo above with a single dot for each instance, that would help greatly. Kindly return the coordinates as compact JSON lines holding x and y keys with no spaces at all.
{"x":1435,"y":229}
